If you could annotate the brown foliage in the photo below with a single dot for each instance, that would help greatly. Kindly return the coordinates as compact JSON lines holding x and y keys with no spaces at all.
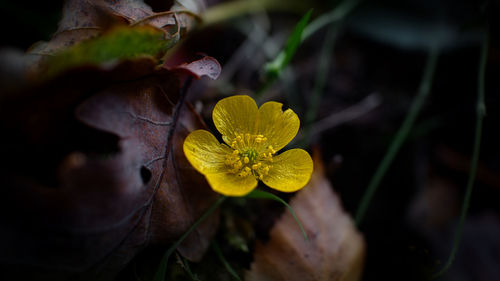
{"x":96,"y":171}
{"x":335,"y":250}
{"x":82,"y":20}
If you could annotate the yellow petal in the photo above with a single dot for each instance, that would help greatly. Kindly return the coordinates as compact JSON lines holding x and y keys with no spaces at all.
{"x":277,"y":126}
{"x":235,"y":115}
{"x":231,"y":184}
{"x":205,"y":152}
{"x":290,"y":171}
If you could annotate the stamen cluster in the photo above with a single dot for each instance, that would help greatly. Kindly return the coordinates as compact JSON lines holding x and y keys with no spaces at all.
{"x":249,"y":156}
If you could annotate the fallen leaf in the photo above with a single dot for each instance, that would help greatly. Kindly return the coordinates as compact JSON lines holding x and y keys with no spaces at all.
{"x":119,"y":43}
{"x":95,"y":170}
{"x":335,"y":250}
{"x":207,"y":66}
{"x":136,"y":113}
{"x":184,"y":14}
{"x":99,"y":184}
{"x":102,"y":25}
{"x":130,"y":10}
{"x":77,"y":14}
{"x":80,"y":21}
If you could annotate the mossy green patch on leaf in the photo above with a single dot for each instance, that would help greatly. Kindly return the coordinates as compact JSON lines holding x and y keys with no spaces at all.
{"x":122,"y":42}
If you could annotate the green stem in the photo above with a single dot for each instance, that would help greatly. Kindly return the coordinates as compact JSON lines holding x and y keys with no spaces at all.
{"x":228,"y":267}
{"x":256,"y":193}
{"x":401,"y":135}
{"x":480,"y":112}
{"x":160,"y":274}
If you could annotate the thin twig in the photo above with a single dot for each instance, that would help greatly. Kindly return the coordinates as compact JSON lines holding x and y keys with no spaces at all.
{"x":350,"y":113}
{"x":345,"y":115}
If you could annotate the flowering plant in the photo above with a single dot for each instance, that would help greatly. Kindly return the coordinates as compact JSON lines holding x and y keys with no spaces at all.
{"x":252,"y":138}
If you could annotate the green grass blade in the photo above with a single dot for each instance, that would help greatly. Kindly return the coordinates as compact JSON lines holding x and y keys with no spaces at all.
{"x":302,"y":31}
{"x":162,"y":269}
{"x":274,"y":67}
{"x":221,"y":257}
{"x":401,"y":135}
{"x":335,"y":15}
{"x":266,"y":195}
{"x":333,"y":19}
{"x":480,"y":112}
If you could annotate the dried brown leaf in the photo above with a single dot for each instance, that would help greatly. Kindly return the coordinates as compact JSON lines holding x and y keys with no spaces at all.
{"x":206,"y":66}
{"x":130,"y":10}
{"x":90,"y":196}
{"x":83,"y":20}
{"x":335,"y":251}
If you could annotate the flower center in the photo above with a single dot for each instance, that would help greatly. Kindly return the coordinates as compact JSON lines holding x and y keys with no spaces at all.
{"x":241,"y":141}
{"x":246,"y":159}
{"x":251,"y":154}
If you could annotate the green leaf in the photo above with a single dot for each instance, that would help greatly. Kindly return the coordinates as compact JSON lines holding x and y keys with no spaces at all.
{"x":121,"y":42}
{"x":266,"y":195}
{"x":162,"y":268}
{"x":274,"y":68}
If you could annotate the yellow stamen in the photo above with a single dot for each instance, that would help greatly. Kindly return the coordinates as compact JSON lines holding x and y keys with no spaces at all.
{"x":256,"y":166}
{"x":266,"y":170}
{"x":245,"y":160}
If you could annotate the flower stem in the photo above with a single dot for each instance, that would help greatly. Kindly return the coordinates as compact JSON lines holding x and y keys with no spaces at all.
{"x":401,"y":135}
{"x":480,"y":113}
{"x":267,"y":195}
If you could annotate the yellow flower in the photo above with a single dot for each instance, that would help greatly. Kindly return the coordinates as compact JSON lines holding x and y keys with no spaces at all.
{"x":252,"y":137}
